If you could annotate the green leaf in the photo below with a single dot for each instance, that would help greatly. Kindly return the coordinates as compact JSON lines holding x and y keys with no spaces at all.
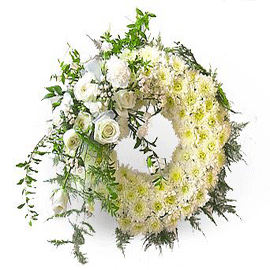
{"x":50,"y":95}
{"x":149,"y":162}
{"x":20,"y":182}
{"x":138,"y":143}
{"x":139,"y":12}
{"x":21,"y":206}
{"x":21,"y":165}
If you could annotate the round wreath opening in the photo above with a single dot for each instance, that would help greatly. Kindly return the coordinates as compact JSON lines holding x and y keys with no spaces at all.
{"x":114,"y":95}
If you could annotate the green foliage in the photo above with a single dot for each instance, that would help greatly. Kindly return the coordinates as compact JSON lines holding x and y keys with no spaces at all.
{"x":70,"y":72}
{"x":77,"y":240}
{"x":28,"y":182}
{"x":134,"y":38}
{"x":122,"y":239}
{"x":232,"y":147}
{"x":161,"y":239}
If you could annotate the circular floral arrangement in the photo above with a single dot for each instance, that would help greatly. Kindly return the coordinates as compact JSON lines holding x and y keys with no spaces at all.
{"x":113,"y":96}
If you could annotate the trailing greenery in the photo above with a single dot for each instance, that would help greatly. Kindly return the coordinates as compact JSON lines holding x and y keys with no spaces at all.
{"x":29,"y":189}
{"x":122,"y":239}
{"x":77,"y":240}
{"x":159,"y":240}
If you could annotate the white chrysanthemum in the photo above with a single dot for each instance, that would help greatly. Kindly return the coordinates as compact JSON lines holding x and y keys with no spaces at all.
{"x":139,"y":210}
{"x":154,"y":225}
{"x":128,"y":55}
{"x":176,"y":173}
{"x":205,"y":85}
{"x":86,"y":89}
{"x":164,"y":76}
{"x":138,"y":228}
{"x":177,"y":64}
{"x":118,"y":73}
{"x":149,"y":53}
{"x":186,"y":189}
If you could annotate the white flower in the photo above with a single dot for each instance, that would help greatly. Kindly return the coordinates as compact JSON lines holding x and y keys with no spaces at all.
{"x":64,"y":107}
{"x":149,"y":53}
{"x":71,"y":140}
{"x":128,"y":55}
{"x":124,"y":100}
{"x":94,"y":66}
{"x":85,"y":89}
{"x":67,"y":100}
{"x":106,"y":130}
{"x":56,"y":116}
{"x":177,"y":64}
{"x":142,"y":131}
{"x":118,"y":72}
{"x":106,"y":46}
{"x":60,"y":200}
{"x":83,"y":122}
{"x":94,"y":107}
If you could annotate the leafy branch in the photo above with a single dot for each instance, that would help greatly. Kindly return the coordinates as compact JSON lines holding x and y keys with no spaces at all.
{"x":78,"y":239}
{"x":29,"y":182}
{"x":122,"y":239}
{"x":161,"y":239}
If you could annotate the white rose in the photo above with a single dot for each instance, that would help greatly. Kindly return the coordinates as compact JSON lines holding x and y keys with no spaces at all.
{"x":106,"y":46}
{"x":71,"y":140}
{"x":125,"y":99}
{"x":83,"y":122}
{"x":85,"y":89}
{"x":106,"y":130}
{"x":118,"y":72}
{"x":60,"y":201}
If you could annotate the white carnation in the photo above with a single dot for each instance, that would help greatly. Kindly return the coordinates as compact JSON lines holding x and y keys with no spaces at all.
{"x":118,"y":72}
{"x":106,"y":130}
{"x":85,"y":89}
{"x":94,"y":107}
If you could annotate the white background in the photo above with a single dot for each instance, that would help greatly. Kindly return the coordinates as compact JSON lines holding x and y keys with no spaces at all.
{"x":231,"y":35}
